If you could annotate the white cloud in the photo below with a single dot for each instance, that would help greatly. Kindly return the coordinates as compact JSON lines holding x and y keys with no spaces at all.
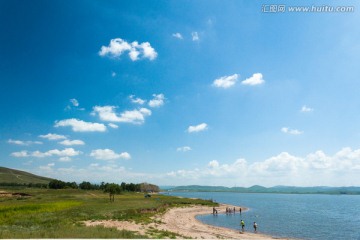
{"x":225,"y":81}
{"x":81,"y":126}
{"x":291,"y":131}
{"x":113,"y":74}
{"x":149,"y":52}
{"x":65,"y":159}
{"x":72,"y":142}
{"x":70,"y":152}
{"x":213,"y":164}
{"x":183,"y":149}
{"x":256,"y":79}
{"x":74,"y":102}
{"x":314,"y":169}
{"x":177,"y":35}
{"x":306,"y":109}
{"x":136,"y":100}
{"x":48,"y":167}
{"x":157,"y":101}
{"x":74,"y":105}
{"x":23,"y":143}
{"x":136,"y":51}
{"x":197,"y":128}
{"x":53,"y":136}
{"x":116,"y":47}
{"x":107,"y":113}
{"x":112,"y":125}
{"x":108,"y":154}
{"x":106,"y":171}
{"x":20,"y":154}
{"x":195,"y":36}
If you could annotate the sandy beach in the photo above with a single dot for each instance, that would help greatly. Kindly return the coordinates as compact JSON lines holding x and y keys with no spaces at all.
{"x":183,"y":222}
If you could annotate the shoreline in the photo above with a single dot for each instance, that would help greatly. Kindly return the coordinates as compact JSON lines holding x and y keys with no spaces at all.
{"x":182,"y":221}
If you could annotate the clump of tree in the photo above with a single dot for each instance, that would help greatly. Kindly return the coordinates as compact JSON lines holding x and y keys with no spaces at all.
{"x":112,"y":189}
{"x":88,"y":186}
{"x":58,"y":184}
{"x":106,"y":187}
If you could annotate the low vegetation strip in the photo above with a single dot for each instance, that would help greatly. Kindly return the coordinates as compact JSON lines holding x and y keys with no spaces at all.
{"x":8,"y":213}
{"x":61,"y":213}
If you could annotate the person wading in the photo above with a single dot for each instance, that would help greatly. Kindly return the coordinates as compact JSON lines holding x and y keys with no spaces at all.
{"x":255,"y":227}
{"x":242,"y":223}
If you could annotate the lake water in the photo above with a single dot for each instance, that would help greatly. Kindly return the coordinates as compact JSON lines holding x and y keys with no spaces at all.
{"x":304,"y":216}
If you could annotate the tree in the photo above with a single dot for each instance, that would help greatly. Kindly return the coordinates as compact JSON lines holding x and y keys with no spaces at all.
{"x":112,"y":189}
{"x":56,"y":184}
{"x":85,"y":185}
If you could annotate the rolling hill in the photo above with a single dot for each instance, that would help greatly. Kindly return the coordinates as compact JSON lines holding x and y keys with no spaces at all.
{"x":8,"y":175}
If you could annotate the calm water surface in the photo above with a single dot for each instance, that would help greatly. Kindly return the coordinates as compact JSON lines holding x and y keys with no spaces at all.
{"x":305,"y":216}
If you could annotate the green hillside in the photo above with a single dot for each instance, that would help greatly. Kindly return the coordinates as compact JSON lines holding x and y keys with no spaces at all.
{"x":8,"y":175}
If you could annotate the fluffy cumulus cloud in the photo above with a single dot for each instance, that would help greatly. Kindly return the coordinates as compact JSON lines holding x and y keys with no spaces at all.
{"x":197,"y":128}
{"x":67,"y":152}
{"x":315,"y":169}
{"x":157,"y":101}
{"x":291,"y":131}
{"x":177,"y":35}
{"x":107,"y":113}
{"x":108,"y":154}
{"x":184,"y":149}
{"x":306,"y":109}
{"x":52,"y":136}
{"x":226,"y":81}
{"x":68,"y":142}
{"x":135,"y":50}
{"x":81,"y":126}
{"x":23,"y":143}
{"x":256,"y":79}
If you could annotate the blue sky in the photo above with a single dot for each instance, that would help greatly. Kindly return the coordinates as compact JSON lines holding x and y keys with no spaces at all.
{"x":181,"y":92}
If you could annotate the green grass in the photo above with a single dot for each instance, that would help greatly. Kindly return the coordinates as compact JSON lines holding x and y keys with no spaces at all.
{"x":59,"y":213}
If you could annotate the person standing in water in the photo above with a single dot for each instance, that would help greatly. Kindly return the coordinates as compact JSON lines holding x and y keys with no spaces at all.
{"x":215,"y":212}
{"x":255,"y":227}
{"x":242,"y":223}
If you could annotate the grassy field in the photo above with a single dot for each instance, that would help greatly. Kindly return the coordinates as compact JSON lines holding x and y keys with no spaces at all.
{"x":59,"y":213}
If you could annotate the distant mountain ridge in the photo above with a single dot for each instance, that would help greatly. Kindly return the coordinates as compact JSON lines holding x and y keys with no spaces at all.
{"x":276,"y":189}
{"x":8,"y":175}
